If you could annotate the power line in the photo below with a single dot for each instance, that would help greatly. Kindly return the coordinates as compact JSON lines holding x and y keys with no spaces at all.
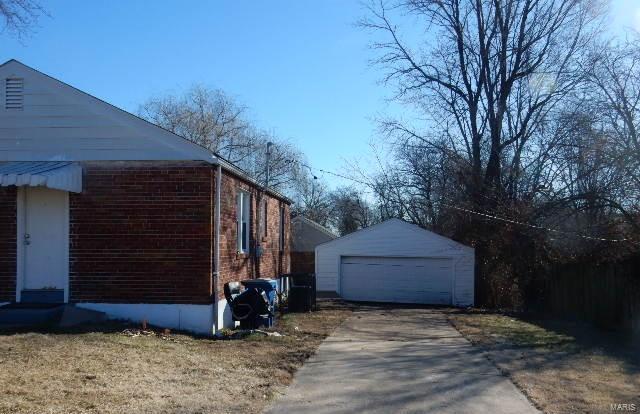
{"x":534,"y":226}
{"x":334,"y":174}
{"x":489,"y":216}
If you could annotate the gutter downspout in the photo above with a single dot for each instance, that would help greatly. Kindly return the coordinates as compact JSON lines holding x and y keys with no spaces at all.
{"x":216,"y":250}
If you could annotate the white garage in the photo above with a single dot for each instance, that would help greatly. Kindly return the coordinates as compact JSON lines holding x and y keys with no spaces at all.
{"x":397,"y":262}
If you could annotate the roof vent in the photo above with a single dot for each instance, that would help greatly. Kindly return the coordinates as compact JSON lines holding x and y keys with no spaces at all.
{"x":13,"y":93}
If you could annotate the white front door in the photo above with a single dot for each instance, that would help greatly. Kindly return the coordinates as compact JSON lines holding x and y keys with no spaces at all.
{"x":45,"y":239}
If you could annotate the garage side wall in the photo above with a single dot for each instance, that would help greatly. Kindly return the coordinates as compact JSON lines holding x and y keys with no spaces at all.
{"x":395,"y":238}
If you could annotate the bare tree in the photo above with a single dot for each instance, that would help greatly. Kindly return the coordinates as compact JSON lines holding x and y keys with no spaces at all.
{"x":492,"y":83}
{"x":312,"y":198}
{"x":616,"y":81}
{"x":350,"y":211}
{"x":486,"y":77}
{"x":283,"y":162}
{"x":206,"y":116}
{"x":20,"y":16}
{"x":211,"y":118}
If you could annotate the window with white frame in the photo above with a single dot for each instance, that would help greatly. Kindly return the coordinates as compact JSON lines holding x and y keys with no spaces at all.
{"x":243,"y":212}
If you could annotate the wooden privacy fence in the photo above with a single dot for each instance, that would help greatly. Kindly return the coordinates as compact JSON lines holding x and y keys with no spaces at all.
{"x":606,"y":294}
{"x":303,"y":262}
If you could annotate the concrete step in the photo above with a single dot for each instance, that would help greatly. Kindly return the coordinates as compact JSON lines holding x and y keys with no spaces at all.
{"x":73,"y":315}
{"x":30,"y":314}
{"x":53,"y":315}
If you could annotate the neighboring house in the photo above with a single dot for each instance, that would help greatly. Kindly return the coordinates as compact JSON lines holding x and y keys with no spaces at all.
{"x":305,"y":236}
{"x":395,"y":261}
{"x":104,"y":210}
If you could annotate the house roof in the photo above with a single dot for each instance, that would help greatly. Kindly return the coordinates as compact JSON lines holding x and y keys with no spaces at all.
{"x":315,"y":225}
{"x":142,"y":139}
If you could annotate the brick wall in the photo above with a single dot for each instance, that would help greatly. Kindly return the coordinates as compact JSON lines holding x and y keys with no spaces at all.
{"x":140,"y":232}
{"x":8,"y":253}
{"x":275,"y":258}
{"x":236,"y":266}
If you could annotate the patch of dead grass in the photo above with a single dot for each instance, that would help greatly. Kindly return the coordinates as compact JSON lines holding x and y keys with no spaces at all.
{"x":562,"y":367}
{"x":107,"y":372}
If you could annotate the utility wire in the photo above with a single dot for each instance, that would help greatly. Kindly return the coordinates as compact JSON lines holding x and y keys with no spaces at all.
{"x":489,"y":216}
{"x":332,"y":173}
{"x":534,"y":226}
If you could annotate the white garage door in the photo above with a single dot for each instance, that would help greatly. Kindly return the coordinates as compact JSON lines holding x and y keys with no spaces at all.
{"x":400,"y":280}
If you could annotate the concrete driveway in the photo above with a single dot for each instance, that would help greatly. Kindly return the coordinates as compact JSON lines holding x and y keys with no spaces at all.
{"x":400,"y":361}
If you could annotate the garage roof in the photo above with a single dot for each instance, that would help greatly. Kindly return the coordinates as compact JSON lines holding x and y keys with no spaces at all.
{"x":401,"y":225}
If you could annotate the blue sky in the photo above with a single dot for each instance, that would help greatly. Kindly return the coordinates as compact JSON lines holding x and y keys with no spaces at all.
{"x":301,"y":66}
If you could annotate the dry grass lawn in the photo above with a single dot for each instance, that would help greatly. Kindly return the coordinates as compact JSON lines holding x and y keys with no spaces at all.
{"x":103,"y":370}
{"x":562,"y":367}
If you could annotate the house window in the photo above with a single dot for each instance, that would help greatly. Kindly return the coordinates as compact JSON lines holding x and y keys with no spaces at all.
{"x":243,"y":212}
{"x":282,"y":227}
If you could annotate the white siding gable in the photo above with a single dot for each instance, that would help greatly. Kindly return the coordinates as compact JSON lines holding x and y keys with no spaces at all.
{"x":60,"y":123}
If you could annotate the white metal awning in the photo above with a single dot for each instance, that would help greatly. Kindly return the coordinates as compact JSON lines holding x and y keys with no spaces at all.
{"x":57,"y":175}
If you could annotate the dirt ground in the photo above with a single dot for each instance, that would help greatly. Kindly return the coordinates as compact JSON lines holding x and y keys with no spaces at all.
{"x":562,"y":367}
{"x":103,"y":370}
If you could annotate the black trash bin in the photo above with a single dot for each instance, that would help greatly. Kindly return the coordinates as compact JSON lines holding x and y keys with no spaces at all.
{"x":269,"y":287}
{"x":302,"y":292}
{"x":254,"y":306}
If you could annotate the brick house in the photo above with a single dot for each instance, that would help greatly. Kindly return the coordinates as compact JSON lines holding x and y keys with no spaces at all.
{"x":104,"y":210}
